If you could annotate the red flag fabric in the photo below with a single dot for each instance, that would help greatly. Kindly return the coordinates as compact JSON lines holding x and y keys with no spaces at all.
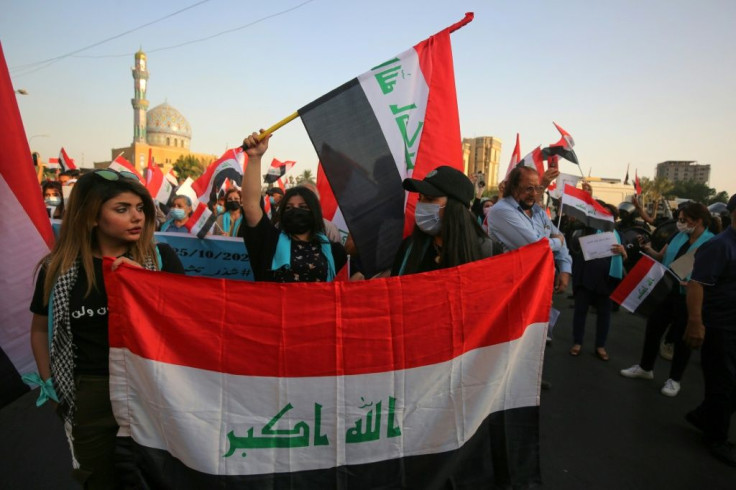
{"x":645,"y":286}
{"x":241,"y":402}
{"x":534,"y":160}
{"x":515,"y":157}
{"x":326,"y":196}
{"x":637,"y":184}
{"x":563,"y":147}
{"x":384,"y":126}
{"x":159,"y":187}
{"x":65,"y":162}
{"x":25,"y":237}
{"x":277,"y":170}
{"x":581,"y":205}
{"x":121,"y":163}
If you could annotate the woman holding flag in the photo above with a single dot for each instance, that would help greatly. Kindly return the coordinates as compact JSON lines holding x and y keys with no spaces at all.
{"x":692,"y":225}
{"x":446,"y":232}
{"x":298,"y":251}
{"x":109,"y":214}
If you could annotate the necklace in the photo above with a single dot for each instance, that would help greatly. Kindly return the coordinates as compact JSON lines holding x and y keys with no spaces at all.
{"x":438,"y":251}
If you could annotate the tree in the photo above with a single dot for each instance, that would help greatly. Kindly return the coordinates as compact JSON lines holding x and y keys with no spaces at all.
{"x":655,"y":190}
{"x":695,"y":191}
{"x":188,"y":166}
{"x":305,"y":176}
{"x":720,"y":197}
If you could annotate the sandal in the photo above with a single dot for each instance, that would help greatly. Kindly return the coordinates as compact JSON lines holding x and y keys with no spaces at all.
{"x":601,"y":354}
{"x":575,"y":350}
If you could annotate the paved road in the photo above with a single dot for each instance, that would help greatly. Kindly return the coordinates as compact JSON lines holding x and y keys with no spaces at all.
{"x":599,"y":430}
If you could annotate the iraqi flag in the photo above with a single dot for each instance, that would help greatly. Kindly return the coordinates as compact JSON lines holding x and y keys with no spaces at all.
{"x":228,"y":166}
{"x":277,"y":170}
{"x":366,"y":384}
{"x":563,"y":148}
{"x":515,"y":157}
{"x":535,"y":160}
{"x":645,"y":286}
{"x":201,"y":220}
{"x":330,"y":210}
{"x":122,"y":164}
{"x":25,"y":237}
{"x":53,"y":164}
{"x":160,"y":188}
{"x":65,"y":163}
{"x":398,"y":120}
{"x":580,"y":205}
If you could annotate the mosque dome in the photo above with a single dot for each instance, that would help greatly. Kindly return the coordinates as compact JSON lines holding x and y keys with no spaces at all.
{"x":165,"y":126}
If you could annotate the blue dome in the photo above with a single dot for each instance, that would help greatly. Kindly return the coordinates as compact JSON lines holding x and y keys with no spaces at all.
{"x":166,"y":120}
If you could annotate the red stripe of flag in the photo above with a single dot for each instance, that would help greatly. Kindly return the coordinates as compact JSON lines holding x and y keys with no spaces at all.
{"x":306,"y":328}
{"x":632,"y":279}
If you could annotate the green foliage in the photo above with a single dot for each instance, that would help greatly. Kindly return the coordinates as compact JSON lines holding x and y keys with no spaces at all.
{"x":305,"y":176}
{"x":188,"y":166}
{"x":697,"y":192}
{"x":654,"y":190}
{"x":720,"y":197}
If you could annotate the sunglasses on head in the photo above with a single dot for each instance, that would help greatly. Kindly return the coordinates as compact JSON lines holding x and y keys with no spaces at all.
{"x":110,"y":174}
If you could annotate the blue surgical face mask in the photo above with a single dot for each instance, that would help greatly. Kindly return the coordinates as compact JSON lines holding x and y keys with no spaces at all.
{"x":272,"y":201}
{"x":220,"y":209}
{"x":178,"y":214}
{"x":427,"y":218}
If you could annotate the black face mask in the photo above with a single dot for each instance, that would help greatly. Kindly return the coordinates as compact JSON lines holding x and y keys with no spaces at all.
{"x":232,"y":205}
{"x":297,"y":221}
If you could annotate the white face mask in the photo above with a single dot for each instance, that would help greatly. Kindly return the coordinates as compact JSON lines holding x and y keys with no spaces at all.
{"x":52,"y":201}
{"x":683,"y":228}
{"x":427,"y":218}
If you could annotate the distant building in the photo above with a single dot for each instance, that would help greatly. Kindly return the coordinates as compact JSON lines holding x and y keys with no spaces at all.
{"x":679,"y":171}
{"x":163,"y":129}
{"x":482,"y":155}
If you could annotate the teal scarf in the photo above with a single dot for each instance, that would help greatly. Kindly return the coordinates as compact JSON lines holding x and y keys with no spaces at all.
{"x":282,"y":256}
{"x":226,"y":220}
{"x":617,"y":262}
{"x":680,"y":240}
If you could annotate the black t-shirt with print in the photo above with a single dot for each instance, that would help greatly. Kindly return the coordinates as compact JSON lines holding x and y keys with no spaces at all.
{"x":88,"y":316}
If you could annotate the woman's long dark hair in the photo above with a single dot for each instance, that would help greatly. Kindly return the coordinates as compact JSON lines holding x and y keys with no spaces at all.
{"x":312,"y":201}
{"x":461,"y":239}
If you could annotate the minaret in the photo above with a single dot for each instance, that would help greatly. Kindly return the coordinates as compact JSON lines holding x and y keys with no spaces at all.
{"x":140,"y":104}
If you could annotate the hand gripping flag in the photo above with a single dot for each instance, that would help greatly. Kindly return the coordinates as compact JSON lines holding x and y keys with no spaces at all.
{"x":388,"y":383}
{"x":277,"y":170}
{"x":397,"y":120}
{"x":580,"y":205}
{"x":65,"y":162}
{"x":25,"y":237}
{"x":121,"y":163}
{"x":563,"y":147}
{"x":644,"y":287}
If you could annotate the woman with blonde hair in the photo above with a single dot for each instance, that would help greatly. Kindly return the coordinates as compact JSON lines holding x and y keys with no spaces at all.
{"x":109,"y":214}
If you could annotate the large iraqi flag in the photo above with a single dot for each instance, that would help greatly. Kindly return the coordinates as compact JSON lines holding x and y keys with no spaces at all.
{"x":25,"y":237}
{"x":403,"y":382}
{"x":398,"y":120}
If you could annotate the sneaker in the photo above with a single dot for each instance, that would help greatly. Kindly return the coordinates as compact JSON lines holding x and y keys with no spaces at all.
{"x":670,"y":388}
{"x":636,"y":371}
{"x":667,"y":351}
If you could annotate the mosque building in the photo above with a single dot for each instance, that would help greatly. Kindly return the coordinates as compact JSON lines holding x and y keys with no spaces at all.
{"x":162,"y":129}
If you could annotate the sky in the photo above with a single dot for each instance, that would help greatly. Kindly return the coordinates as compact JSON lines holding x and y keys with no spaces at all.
{"x":635,"y":82}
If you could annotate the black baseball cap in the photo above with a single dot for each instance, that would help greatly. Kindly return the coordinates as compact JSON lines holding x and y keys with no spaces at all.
{"x":731,"y":204}
{"x":443,"y":181}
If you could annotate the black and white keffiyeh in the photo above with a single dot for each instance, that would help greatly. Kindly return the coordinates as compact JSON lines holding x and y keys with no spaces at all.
{"x":61,"y":352}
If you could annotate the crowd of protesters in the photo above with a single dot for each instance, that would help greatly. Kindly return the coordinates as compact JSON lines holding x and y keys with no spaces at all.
{"x":110,"y":213}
